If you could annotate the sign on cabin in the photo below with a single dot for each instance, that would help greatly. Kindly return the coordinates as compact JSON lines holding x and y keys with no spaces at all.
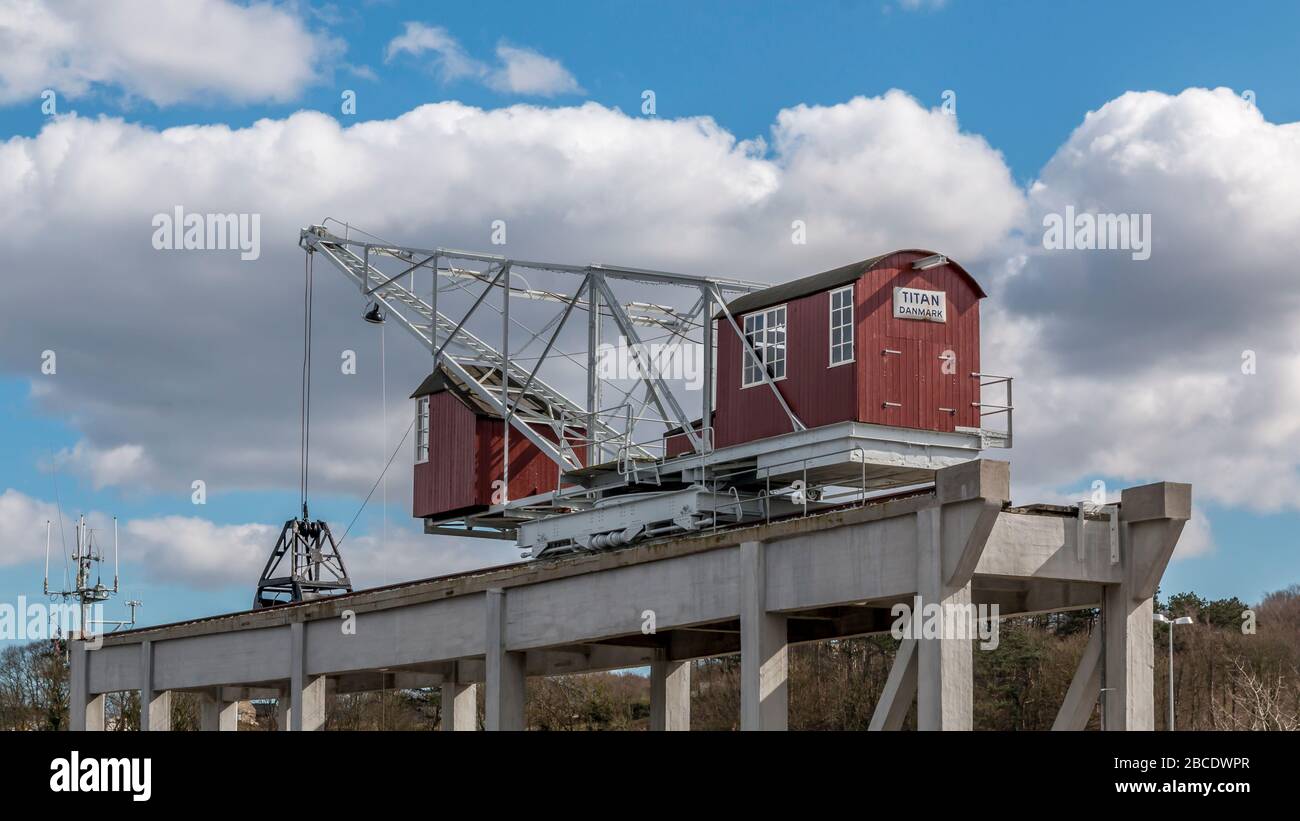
{"x":914,"y":303}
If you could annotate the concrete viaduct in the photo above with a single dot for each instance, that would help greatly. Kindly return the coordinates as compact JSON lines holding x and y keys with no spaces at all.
{"x":753,"y":590}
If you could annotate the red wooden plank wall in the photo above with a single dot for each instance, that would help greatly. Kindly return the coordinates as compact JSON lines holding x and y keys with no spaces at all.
{"x":447,"y":480}
{"x":818,"y":394}
{"x":822,"y":395}
{"x":916,"y":378}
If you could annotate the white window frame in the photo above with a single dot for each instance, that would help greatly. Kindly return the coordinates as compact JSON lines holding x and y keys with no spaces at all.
{"x":770,"y":323}
{"x":421,"y":429}
{"x":846,"y":339}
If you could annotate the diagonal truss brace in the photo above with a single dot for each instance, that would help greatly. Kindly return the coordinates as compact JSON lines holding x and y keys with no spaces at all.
{"x":396,"y":296}
{"x":654,"y":384}
{"x":762,"y":366}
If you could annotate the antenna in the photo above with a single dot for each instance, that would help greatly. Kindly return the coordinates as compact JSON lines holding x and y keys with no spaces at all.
{"x":86,"y":556}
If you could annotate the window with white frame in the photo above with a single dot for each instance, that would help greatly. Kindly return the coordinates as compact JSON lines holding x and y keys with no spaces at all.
{"x":422,"y":429}
{"x":842,"y":326}
{"x":765,"y":330}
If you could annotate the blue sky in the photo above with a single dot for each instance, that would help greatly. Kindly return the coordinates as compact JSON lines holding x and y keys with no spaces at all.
{"x":1025,"y":75}
{"x":1024,"y":71}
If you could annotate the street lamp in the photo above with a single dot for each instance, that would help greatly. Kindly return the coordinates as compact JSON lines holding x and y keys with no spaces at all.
{"x":1163,"y":619}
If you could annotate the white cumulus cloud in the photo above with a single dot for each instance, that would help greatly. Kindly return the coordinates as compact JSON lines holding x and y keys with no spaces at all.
{"x":119,"y":465}
{"x":1139,"y":370}
{"x":525,"y":71}
{"x":166,"y":53}
{"x":198,"y":552}
{"x":22,"y":527}
{"x":518,"y":70}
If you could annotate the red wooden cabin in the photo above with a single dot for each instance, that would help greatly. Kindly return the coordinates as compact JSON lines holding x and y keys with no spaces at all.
{"x":892,"y":340}
{"x":458,"y":454}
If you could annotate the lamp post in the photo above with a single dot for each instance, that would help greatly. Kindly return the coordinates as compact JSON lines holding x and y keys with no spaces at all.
{"x":1163,"y":619}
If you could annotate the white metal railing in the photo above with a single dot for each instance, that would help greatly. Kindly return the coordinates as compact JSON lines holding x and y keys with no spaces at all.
{"x":993,"y":409}
{"x":803,"y":493}
{"x":628,"y":465}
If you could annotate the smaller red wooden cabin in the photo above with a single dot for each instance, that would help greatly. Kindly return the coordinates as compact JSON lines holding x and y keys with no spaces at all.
{"x":892,"y":340}
{"x":458,"y":454}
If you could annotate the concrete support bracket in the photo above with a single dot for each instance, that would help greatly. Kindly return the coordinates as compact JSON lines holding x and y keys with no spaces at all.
{"x":504,"y":708}
{"x":155,"y":707}
{"x":764,"y":694}
{"x":900,"y":690}
{"x":1085,"y":689}
{"x":670,"y":693}
{"x":306,"y":692}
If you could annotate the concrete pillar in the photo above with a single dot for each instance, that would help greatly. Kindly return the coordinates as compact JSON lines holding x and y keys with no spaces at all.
{"x":155,"y":706}
{"x":306,"y":693}
{"x":86,"y":709}
{"x":504,"y":708}
{"x":951,"y":536}
{"x":945,"y":666}
{"x":764,"y":696}
{"x":216,"y":714}
{"x":282,"y":711}
{"x":1129,"y":674}
{"x":1151,"y":520}
{"x":459,"y":706}
{"x":670,"y":693}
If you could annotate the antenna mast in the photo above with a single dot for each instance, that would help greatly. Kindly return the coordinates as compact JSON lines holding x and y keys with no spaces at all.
{"x":87,"y":556}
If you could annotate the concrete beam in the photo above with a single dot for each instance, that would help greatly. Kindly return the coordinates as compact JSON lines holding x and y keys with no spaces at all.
{"x":504,"y":708}
{"x":670,"y":693}
{"x":397,"y":638}
{"x":900,"y":690}
{"x":1085,"y":689}
{"x":764,"y":655}
{"x":247,"y":693}
{"x":1040,"y":547}
{"x":1033,"y":598}
{"x":369,"y":682}
{"x":155,"y":706}
{"x":684,"y":590}
{"x":585,"y":658}
{"x":687,"y":644}
{"x":248,"y":657}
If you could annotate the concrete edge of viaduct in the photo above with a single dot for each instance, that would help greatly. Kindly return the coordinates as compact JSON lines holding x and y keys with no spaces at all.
{"x":754,"y":591}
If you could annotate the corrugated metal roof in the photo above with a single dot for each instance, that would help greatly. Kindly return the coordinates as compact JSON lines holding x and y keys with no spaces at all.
{"x":824,"y":281}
